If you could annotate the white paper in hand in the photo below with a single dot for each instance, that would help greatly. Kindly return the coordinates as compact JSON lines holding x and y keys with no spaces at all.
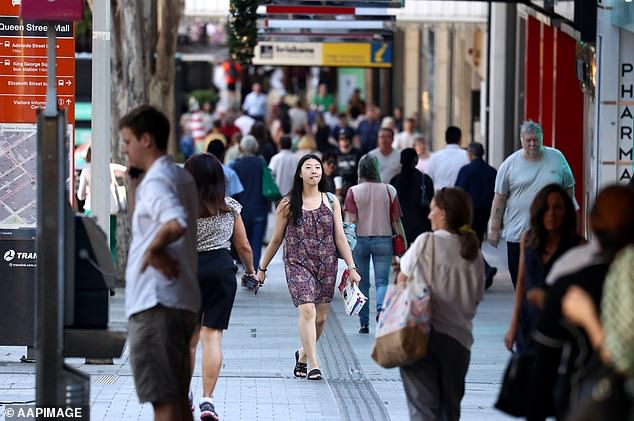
{"x":353,"y":298}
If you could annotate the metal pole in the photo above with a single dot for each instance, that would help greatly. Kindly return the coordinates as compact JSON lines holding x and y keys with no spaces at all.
{"x":51,"y":89}
{"x":101,"y":116}
{"x":50,"y":242}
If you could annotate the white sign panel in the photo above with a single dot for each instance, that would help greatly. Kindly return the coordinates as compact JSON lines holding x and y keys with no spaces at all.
{"x":288,"y":54}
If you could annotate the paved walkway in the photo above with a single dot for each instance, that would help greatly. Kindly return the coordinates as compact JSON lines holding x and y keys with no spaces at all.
{"x":256,"y":380}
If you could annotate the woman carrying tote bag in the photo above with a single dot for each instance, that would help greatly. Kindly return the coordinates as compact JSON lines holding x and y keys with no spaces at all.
{"x":434,"y":385}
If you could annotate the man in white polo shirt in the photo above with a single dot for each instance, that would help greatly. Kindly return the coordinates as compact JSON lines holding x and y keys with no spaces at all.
{"x":162,"y":295}
{"x":445,"y":164}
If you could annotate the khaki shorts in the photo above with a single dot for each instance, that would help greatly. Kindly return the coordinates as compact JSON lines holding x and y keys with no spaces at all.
{"x":159,"y":353}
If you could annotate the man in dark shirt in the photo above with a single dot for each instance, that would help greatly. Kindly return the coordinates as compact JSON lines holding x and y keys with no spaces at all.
{"x":477,"y":178}
{"x":347,"y":162}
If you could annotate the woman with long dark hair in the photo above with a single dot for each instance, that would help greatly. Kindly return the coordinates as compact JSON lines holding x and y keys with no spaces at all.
{"x":219,"y":225}
{"x":552,"y":232}
{"x":312,"y":231}
{"x":435,"y":384}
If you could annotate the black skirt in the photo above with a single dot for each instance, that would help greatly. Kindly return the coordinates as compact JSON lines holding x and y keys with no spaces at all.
{"x":218,"y":284}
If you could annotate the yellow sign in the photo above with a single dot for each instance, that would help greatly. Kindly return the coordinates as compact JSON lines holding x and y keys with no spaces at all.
{"x":355,"y":55}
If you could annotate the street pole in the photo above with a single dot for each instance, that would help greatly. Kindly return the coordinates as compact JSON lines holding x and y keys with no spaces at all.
{"x":101,"y":116}
{"x":50,"y":245}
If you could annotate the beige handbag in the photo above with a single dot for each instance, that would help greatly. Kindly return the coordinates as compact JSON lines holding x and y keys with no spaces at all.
{"x":405,"y":321}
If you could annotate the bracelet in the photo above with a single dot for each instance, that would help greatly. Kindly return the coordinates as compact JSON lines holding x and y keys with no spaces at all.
{"x":352,"y":266}
{"x":263,"y":270}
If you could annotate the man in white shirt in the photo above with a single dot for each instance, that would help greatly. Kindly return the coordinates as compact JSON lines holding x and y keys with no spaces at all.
{"x":389,"y":158}
{"x":255,"y":103}
{"x":445,"y":164}
{"x":283,"y":165}
{"x":405,"y":139}
{"x":162,"y":294}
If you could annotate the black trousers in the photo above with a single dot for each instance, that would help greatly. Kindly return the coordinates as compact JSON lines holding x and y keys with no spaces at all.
{"x":434,"y":385}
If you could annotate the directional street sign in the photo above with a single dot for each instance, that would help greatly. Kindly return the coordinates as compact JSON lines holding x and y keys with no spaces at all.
{"x":23,"y":66}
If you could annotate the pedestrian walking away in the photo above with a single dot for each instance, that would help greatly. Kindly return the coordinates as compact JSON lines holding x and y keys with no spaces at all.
{"x":219,"y":224}
{"x":162,"y":294}
{"x":444,"y":165}
{"x":477,"y":178}
{"x":372,"y":206}
{"x":435,"y":384}
{"x":312,"y":233}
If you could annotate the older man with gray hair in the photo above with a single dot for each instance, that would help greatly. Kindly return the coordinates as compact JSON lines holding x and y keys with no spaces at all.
{"x":519,"y":178}
{"x":255,"y":207}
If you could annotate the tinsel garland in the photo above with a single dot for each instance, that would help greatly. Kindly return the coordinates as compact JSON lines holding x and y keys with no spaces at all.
{"x":242,"y":29}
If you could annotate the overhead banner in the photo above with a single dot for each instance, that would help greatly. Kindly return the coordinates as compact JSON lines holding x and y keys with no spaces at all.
{"x":331,"y":54}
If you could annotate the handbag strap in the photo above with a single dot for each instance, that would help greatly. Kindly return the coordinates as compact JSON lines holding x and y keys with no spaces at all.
{"x":433,"y":259}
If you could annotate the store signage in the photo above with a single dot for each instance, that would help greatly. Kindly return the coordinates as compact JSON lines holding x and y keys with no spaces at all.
{"x":368,"y":54}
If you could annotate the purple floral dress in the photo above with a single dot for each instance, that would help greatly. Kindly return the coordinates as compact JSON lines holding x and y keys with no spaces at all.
{"x":310,"y":257}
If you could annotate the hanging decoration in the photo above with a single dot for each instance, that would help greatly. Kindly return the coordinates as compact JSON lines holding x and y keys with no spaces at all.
{"x":242,"y":29}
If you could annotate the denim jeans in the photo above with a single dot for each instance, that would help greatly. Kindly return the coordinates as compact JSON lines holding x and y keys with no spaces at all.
{"x":255,"y":226}
{"x":380,"y":249}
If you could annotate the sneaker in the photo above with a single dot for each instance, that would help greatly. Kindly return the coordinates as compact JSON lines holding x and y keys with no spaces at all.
{"x":208,"y":412}
{"x":364,"y":329}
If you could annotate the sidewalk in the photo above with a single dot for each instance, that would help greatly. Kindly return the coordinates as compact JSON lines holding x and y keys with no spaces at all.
{"x":256,"y":380}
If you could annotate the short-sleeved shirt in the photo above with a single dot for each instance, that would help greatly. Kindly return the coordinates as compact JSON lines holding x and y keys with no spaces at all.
{"x":389,"y":165}
{"x":166,"y":193}
{"x":445,"y":164}
{"x":234,"y":186}
{"x":617,"y":313}
{"x":521,"y":179}
{"x":215,"y":232}
{"x":457,"y":284}
{"x":370,"y":202}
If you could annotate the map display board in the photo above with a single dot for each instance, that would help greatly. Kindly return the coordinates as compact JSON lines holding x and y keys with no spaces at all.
{"x":23,"y":85}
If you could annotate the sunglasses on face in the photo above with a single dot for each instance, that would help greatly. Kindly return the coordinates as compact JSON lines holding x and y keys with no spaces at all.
{"x":330,"y":162}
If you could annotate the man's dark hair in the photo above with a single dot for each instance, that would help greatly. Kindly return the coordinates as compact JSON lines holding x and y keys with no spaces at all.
{"x":453,"y":135}
{"x":476,"y":149}
{"x":217,"y":149}
{"x":286,"y":142}
{"x":329,"y":156}
{"x":147,"y":119}
{"x":217,"y":124}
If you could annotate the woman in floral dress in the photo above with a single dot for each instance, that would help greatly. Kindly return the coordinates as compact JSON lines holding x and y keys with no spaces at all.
{"x":312,"y":229}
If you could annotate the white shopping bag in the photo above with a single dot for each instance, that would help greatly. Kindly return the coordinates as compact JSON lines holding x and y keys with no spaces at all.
{"x":353,"y":298}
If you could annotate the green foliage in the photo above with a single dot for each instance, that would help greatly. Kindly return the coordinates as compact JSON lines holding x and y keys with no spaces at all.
{"x":242,"y":29}
{"x":204,"y":95}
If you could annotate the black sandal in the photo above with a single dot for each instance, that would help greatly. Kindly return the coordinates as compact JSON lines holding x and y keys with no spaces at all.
{"x":314,"y":374}
{"x":300,"y":368}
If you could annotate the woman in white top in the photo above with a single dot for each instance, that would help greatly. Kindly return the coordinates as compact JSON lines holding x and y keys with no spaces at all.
{"x":434,"y":385}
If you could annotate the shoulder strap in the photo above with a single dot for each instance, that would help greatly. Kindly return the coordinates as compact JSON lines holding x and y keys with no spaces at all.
{"x":331,"y":199}
{"x":389,"y":196}
{"x":433,"y":259}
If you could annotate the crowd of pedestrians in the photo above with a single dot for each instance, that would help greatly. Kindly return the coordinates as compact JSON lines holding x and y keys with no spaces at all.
{"x":377,"y":173}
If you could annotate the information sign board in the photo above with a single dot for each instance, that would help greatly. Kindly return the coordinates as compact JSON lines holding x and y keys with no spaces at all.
{"x":23,"y":85}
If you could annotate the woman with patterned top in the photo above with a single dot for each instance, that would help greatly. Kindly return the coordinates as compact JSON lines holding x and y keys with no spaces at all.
{"x":313,"y":233}
{"x":219,"y":225}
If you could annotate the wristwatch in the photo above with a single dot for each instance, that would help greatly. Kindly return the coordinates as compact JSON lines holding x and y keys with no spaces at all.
{"x":352,"y":266}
